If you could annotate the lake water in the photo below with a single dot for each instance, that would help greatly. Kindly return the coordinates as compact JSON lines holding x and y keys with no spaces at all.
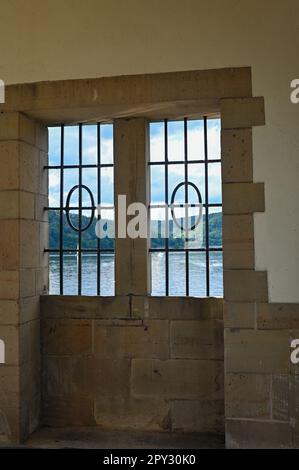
{"x":197,"y":274}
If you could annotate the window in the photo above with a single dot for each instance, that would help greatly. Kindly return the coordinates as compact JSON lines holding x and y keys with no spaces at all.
{"x":186,"y":238}
{"x":185,"y":208}
{"x":80,"y":179}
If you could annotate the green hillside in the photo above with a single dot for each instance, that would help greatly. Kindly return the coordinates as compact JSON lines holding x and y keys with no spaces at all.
{"x":89,"y":239}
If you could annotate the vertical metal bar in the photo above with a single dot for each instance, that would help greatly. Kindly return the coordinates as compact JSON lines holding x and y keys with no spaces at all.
{"x":61,"y":214}
{"x":166,"y":213}
{"x":80,"y":214}
{"x":99,"y":202}
{"x":207,"y":208}
{"x":186,"y":200}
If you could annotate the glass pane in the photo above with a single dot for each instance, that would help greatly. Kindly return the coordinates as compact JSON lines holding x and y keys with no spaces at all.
{"x":90,"y":179}
{"x":196,"y":140}
{"x":106,"y":229}
{"x":176,"y":140}
{"x":197,"y":274}
{"x":54,"y":274}
{"x":157,"y":274}
{"x":70,"y":236}
{"x":106,"y":133}
{"x":107,"y":274}
{"x":215,"y":189}
{"x":215,"y":229}
{"x":107,"y":186}
{"x":157,"y":228}
{"x":54,"y":188}
{"x":196,"y":175}
{"x":70,"y":274}
{"x":177,"y":274}
{"x":89,"y":273}
{"x":54,"y":229}
{"x":157,"y":184}
{"x":89,"y":145}
{"x":176,"y":175}
{"x":71,"y":145}
{"x":88,"y":237}
{"x":71,"y":179}
{"x":54,"y":145}
{"x":157,"y":145}
{"x":216,"y":274}
{"x":214,"y":137}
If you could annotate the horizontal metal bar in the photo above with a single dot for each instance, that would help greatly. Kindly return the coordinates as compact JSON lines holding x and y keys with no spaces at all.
{"x":83,"y":250}
{"x":183,"y":250}
{"x":76,"y":208}
{"x":67,"y":167}
{"x":183,"y":162}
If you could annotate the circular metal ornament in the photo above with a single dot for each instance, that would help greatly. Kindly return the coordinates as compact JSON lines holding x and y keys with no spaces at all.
{"x":68,"y":208}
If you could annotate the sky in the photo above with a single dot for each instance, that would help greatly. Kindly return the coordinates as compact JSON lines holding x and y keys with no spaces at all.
{"x":157,"y":175}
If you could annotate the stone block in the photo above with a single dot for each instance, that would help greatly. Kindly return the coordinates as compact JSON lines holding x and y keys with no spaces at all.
{"x":27,"y":282}
{"x":239,"y":113}
{"x":277,"y":316}
{"x":243,"y":198}
{"x":9,"y":285}
{"x":27,"y":129}
{"x":42,"y":281}
{"x":177,"y":379}
{"x":281,"y":397}
{"x":68,"y":411}
{"x":9,"y":386}
{"x":29,"y":165}
{"x":85,"y":307}
{"x":29,"y":308}
{"x":251,"y":351}
{"x":198,"y":416}
{"x":43,"y":180}
{"x":67,"y":337}
{"x":176,"y":308}
{"x":237,"y":161}
{"x":245,"y":286}
{"x":29,"y":243}
{"x":10,"y":166}
{"x":197,"y":339}
{"x":27,"y":205}
{"x":41,"y":202}
{"x":248,"y":396}
{"x":247,"y":434}
{"x":41,"y":132}
{"x":134,"y":414}
{"x":239,"y":315}
{"x":9,"y":126}
{"x":9,"y":245}
{"x":238,"y":242}
{"x":9,"y":205}
{"x":9,"y":312}
{"x":148,"y":339}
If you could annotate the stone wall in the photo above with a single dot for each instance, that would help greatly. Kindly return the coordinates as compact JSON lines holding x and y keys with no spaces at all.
{"x":133,"y":363}
{"x":23,"y":269}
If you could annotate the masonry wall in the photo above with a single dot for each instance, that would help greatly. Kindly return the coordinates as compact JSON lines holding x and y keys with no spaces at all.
{"x":23,"y":270}
{"x":133,"y":363}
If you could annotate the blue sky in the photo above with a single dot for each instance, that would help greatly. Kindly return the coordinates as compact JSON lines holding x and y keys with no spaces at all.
{"x":175,"y":153}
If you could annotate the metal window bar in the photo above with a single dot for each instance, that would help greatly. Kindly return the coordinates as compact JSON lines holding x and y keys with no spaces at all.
{"x":207,"y":249}
{"x":64,"y":208}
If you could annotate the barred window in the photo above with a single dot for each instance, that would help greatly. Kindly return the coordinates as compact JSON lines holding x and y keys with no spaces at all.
{"x":81,"y":167}
{"x":186,"y":208}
